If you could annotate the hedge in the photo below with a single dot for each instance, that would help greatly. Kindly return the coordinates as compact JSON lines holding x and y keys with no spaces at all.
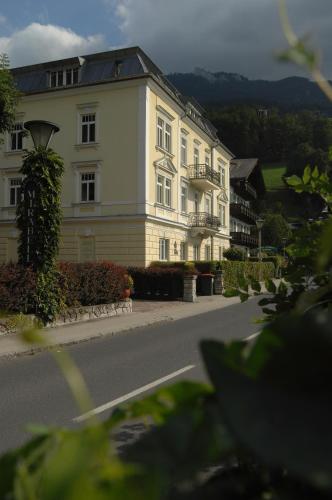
{"x":81,"y":284}
{"x":233,"y":270}
{"x":157,"y":283}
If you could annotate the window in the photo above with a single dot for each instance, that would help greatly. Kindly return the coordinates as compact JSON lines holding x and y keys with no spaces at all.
{"x":220,"y":253}
{"x":196,"y":252}
{"x":208,"y":204}
{"x":164,"y":190}
{"x":196,"y":202}
{"x":196,"y":156}
{"x":88,"y":128}
{"x":163,"y":249}
{"x":184,"y":150}
{"x":184,"y":197}
{"x":222,"y":214}
{"x":14,"y":191}
{"x":183,"y":250}
{"x":16,"y":137}
{"x":88,"y":186}
{"x":222,"y":173}
{"x":207,"y":252}
{"x":62,"y":77}
{"x":207,"y":160}
{"x":164,"y":135}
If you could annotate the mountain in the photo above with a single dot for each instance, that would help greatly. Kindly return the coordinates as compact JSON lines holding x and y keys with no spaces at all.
{"x":222,"y":88}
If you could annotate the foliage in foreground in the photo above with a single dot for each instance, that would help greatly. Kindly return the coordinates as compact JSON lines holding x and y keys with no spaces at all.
{"x":8,"y":96}
{"x":261,"y":429}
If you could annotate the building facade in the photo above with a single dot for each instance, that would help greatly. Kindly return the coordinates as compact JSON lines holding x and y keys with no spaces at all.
{"x":246,"y":188}
{"x":146,"y":177}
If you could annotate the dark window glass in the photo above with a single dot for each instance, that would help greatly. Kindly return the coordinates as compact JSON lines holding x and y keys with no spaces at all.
{"x":75,"y":76}
{"x":92,"y":132}
{"x":84,"y":133}
{"x":69,"y":77}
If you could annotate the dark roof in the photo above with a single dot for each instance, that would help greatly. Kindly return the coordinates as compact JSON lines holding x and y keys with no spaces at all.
{"x":241,"y":168}
{"x":107,"y":67}
{"x":247,"y":170}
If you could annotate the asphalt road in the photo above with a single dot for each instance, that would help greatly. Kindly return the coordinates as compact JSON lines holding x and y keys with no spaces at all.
{"x":34,"y":391}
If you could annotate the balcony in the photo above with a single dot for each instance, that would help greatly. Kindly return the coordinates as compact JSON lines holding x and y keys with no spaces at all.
{"x":241,"y":212}
{"x":203,"y":224}
{"x":245,"y":190}
{"x":244,"y":239}
{"x":204,"y":177}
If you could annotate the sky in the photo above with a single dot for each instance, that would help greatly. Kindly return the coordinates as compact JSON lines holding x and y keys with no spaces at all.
{"x":240,"y":36}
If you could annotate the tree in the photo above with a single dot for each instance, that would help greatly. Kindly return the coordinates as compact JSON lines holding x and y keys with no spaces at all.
{"x":275,"y":228}
{"x":8,"y":96}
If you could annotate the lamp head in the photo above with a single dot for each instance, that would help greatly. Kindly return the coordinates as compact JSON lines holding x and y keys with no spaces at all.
{"x":41,"y":132}
{"x":259,"y":223}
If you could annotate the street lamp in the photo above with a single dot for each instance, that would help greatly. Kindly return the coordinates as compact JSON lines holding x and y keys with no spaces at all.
{"x":41,"y":132}
{"x":259,"y":225}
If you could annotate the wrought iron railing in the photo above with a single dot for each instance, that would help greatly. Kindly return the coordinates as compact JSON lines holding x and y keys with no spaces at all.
{"x":250,"y":190}
{"x":242,"y":212}
{"x":239,"y":238}
{"x":203,"y":219}
{"x":203,"y":171}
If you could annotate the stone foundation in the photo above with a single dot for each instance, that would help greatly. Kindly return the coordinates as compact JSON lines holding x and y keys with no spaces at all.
{"x":189,"y":289}
{"x":86,"y":313}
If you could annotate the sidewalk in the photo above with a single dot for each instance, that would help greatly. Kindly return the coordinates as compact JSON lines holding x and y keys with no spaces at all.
{"x":144,"y":313}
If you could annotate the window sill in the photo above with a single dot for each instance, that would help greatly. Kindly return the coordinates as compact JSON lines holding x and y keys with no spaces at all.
{"x":166,"y":153}
{"x":184,"y":165}
{"x":164,"y":207}
{"x":86,"y":145}
{"x":85,"y":203}
{"x":184,"y":214}
{"x":15,"y":153}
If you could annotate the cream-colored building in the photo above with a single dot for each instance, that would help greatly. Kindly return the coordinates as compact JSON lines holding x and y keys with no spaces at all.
{"x":146,"y":177}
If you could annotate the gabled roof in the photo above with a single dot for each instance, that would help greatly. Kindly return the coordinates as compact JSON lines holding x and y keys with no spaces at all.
{"x":241,"y":168}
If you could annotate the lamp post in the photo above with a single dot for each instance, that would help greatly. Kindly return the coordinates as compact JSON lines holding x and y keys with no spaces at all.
{"x":41,"y":132}
{"x":259,"y":225}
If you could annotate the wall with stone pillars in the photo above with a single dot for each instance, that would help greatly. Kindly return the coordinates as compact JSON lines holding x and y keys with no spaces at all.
{"x":218,"y":283}
{"x":189,"y":289}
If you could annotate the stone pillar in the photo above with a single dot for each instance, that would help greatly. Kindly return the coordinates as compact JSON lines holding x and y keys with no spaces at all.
{"x":218,"y":282}
{"x":189,"y":288}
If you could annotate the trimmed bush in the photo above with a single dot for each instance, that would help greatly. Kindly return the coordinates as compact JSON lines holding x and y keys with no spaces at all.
{"x":157,"y":283}
{"x":233,"y":253}
{"x":17,"y":288}
{"x":91,"y":283}
{"x":233,"y":271}
{"x":88,"y":284}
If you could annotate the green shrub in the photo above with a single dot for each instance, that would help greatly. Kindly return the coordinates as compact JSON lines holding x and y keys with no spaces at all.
{"x":234,"y":254}
{"x":157,"y":283}
{"x":234,"y":271}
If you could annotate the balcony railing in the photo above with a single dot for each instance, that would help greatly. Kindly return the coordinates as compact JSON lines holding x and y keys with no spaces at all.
{"x":244,"y":239}
{"x":240,"y":211}
{"x":204,"y":220}
{"x":204,"y":176}
{"x":245,"y":190}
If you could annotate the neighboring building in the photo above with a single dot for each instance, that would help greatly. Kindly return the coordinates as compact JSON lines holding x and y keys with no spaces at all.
{"x":146,"y":177}
{"x":247,"y":186}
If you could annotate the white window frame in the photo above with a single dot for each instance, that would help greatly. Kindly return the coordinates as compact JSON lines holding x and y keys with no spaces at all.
{"x":208,"y":204}
{"x":207,"y":252}
{"x":17,"y":132}
{"x":196,"y":252}
{"x":164,"y":190}
{"x":89,"y":123}
{"x":184,"y":150}
{"x":164,"y":134}
{"x":183,"y":250}
{"x":222,"y":173}
{"x":196,"y":155}
{"x":88,"y":179}
{"x":222,"y":214}
{"x":87,"y":168}
{"x":163,"y":249}
{"x":64,"y":77}
{"x":184,"y":197}
{"x":15,"y":188}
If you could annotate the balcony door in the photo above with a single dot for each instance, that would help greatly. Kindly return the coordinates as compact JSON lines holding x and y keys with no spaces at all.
{"x":208,"y":204}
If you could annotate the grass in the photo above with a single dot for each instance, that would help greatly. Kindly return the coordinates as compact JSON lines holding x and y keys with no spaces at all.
{"x":277,"y":193}
{"x":272,"y":173}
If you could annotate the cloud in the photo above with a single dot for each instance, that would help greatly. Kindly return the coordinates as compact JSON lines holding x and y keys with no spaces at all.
{"x":3,"y":19}
{"x":220,"y":35}
{"x":39,"y":42}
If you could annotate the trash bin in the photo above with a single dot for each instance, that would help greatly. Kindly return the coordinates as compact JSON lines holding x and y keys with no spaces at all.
{"x":205,"y":285}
